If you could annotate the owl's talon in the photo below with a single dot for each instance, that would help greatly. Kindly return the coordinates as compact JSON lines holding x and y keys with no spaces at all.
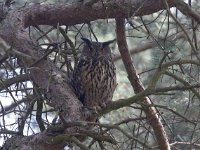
{"x":89,"y":112}
{"x":98,"y":108}
{"x":90,"y":109}
{"x":104,"y":104}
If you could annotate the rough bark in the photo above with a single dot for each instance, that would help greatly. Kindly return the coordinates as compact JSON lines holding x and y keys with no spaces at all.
{"x":80,"y":13}
{"x":46,"y":75}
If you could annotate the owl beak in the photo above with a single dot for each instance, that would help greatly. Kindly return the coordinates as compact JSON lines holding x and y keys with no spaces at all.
{"x":96,"y":54}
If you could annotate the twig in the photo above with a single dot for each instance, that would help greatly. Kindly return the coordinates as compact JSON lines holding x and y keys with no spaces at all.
{"x":186,"y":10}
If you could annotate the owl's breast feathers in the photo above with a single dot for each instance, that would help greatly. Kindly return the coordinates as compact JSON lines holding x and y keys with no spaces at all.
{"x":94,"y":81}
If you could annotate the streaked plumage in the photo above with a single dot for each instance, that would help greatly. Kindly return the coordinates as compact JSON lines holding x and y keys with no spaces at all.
{"x":94,"y":77}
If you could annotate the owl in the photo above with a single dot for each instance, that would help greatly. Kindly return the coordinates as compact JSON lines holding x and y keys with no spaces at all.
{"x":94,"y":76}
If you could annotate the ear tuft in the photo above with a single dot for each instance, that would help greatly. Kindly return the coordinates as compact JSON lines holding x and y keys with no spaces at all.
{"x":104,"y":44}
{"x":87,"y":41}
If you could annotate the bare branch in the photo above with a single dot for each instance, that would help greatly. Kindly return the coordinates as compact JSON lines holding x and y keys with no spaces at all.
{"x":20,"y":78}
{"x":186,"y":10}
{"x":137,"y":86}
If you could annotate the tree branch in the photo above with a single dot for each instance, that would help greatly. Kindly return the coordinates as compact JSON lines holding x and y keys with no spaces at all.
{"x":186,"y":10}
{"x":79,"y":13}
{"x":147,"y":45}
{"x":20,"y":78}
{"x":137,"y":86}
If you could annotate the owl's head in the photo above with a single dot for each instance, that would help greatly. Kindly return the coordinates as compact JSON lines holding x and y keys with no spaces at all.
{"x":95,"y":50}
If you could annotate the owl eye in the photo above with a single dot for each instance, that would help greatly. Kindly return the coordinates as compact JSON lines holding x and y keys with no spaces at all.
{"x":103,"y":50}
{"x":91,"y":49}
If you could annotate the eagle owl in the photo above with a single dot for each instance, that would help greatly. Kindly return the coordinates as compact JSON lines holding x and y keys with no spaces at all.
{"x":94,"y":76}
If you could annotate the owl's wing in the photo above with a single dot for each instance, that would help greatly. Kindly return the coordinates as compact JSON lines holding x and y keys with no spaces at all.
{"x":78,"y":80}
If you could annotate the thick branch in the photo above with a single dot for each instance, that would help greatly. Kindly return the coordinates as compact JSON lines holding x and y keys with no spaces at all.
{"x":80,"y":13}
{"x":137,"y":86}
{"x":21,"y":78}
{"x":45,"y":74}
